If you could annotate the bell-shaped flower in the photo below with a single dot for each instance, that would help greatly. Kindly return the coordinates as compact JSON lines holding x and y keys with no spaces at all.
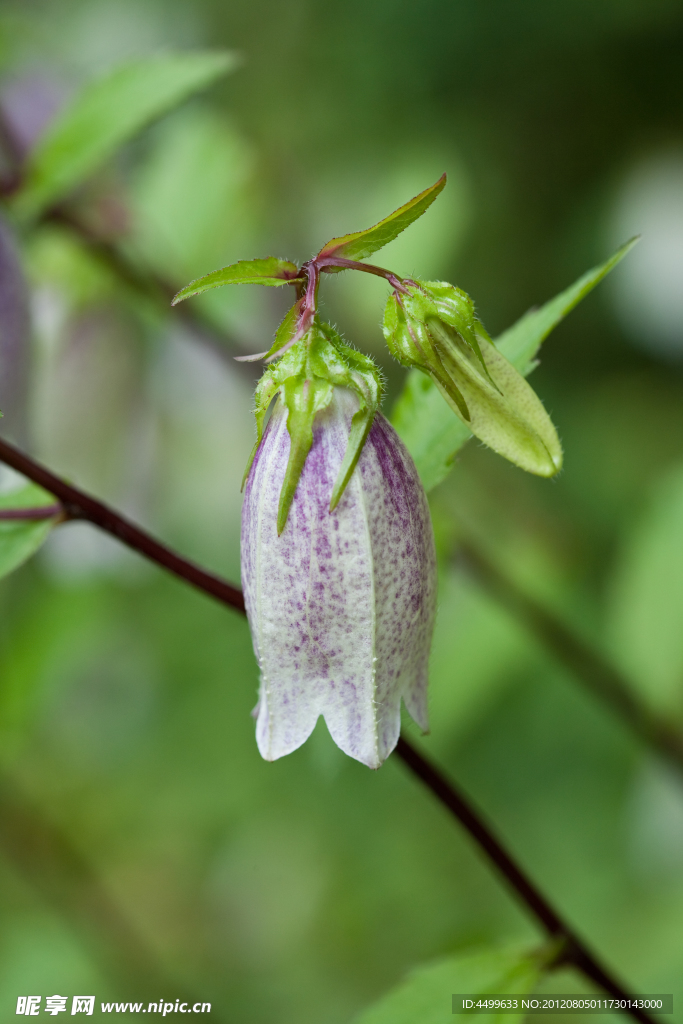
{"x":341,"y":602}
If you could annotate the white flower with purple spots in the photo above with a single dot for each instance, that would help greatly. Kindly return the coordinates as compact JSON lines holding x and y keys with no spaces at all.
{"x":341,"y":603}
{"x":338,"y":560}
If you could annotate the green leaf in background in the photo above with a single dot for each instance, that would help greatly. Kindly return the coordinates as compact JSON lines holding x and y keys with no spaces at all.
{"x":20,"y":538}
{"x":107,"y":113}
{"x":521,"y":342}
{"x":270,"y":271}
{"x":428,"y":427}
{"x":426,"y":424}
{"x":644,"y":622}
{"x":361,"y":244}
{"x":425,"y":997}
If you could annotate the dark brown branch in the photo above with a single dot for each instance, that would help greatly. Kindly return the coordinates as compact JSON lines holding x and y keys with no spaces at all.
{"x":587,"y":665}
{"x":79,"y":505}
{"x":573,"y":950}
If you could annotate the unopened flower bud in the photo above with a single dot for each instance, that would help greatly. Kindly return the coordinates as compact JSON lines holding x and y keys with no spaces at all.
{"x":432,"y":326}
{"x":341,"y":603}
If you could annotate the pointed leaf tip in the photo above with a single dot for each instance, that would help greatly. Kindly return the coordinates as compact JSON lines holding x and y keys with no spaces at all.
{"x":520,"y":342}
{"x":269,"y":271}
{"x":361,"y":244}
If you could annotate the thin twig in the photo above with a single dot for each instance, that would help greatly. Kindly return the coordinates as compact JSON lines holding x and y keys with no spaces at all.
{"x":574,"y":951}
{"x":32,"y":512}
{"x":587,"y":664}
{"x":79,"y":505}
{"x":145,"y":283}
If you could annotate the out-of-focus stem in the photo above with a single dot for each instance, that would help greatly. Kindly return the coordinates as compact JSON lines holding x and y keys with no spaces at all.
{"x":587,"y":665}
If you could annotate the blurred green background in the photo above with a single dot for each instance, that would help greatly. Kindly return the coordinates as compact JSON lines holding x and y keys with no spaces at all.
{"x":132,"y":792}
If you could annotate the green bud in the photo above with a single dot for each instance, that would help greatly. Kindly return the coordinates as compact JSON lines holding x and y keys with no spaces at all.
{"x":433,"y":327}
{"x":305,"y":377}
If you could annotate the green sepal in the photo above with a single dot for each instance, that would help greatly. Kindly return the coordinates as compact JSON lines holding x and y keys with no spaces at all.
{"x":410,"y":342}
{"x":285,"y":331}
{"x":361,"y":244}
{"x":304,"y":396}
{"x":306,"y":375}
{"x":266,"y":389}
{"x":455,"y":308}
{"x":362,"y":377}
{"x":429,"y":300}
{"x":269,"y":271}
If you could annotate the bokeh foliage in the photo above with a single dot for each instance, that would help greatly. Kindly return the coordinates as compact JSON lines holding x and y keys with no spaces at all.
{"x":303,"y":890}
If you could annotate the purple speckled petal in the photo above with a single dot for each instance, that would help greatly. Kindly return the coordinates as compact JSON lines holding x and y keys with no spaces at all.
{"x":341,"y":605}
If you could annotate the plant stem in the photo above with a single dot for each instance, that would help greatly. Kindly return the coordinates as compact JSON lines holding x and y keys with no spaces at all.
{"x":79,"y":505}
{"x":34,"y":512}
{"x":586,"y":664}
{"x":332,"y":263}
{"x":144,"y":283}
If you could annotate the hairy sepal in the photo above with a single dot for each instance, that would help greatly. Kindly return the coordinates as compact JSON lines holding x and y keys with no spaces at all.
{"x":305,"y":377}
{"x":411,"y":344}
{"x":363,"y":378}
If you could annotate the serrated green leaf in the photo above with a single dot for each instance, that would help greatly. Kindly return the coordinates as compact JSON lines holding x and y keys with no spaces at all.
{"x":21,"y":538}
{"x":521,"y":342}
{"x":424,"y":421}
{"x":643,"y":623}
{"x":425,"y":997}
{"x":107,"y":113}
{"x":361,"y":244}
{"x":269,"y":271}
